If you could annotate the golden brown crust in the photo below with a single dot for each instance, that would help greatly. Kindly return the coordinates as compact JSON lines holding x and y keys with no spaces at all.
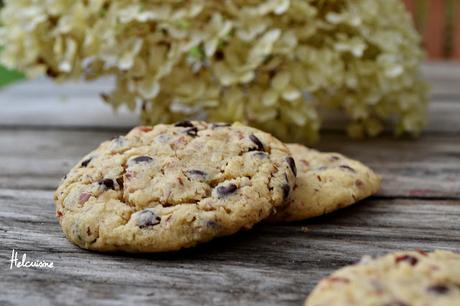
{"x":325,"y":182}
{"x":400,"y":279}
{"x":168,"y":187}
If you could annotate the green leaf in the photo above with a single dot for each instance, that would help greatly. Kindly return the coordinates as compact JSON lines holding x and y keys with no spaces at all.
{"x":9,"y":76}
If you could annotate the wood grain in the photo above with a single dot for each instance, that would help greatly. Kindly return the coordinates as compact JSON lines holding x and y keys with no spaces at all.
{"x":228,"y":271}
{"x":426,"y":167}
{"x":418,"y":207}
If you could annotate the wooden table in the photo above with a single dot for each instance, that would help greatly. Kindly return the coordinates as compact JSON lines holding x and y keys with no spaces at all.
{"x":46,"y":128}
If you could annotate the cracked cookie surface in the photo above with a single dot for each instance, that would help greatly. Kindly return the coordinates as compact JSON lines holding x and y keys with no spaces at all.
{"x":325,"y":182}
{"x":168,"y":187}
{"x":399,"y":279}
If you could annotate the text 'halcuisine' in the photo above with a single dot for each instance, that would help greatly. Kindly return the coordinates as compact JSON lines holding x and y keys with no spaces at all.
{"x":24,"y":263}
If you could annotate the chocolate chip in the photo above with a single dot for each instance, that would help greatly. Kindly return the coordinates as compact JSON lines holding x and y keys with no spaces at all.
{"x":107,"y":183}
{"x":142,"y":159}
{"x":260,"y":154}
{"x":212,"y":224}
{"x":286,"y":190}
{"x":345,"y":167}
{"x":147,"y":218}
{"x":192,"y":131}
{"x":439,"y":289}
{"x":257,"y":142}
{"x":226,"y":190}
{"x":407,"y":258}
{"x":291,"y":163}
{"x":185,"y":123}
{"x":86,"y":162}
{"x":196,"y":172}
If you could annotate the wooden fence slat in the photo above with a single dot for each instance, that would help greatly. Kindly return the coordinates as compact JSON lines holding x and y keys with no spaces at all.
{"x":456,"y":35}
{"x":410,"y":5}
{"x":438,"y":21}
{"x":434,"y":29}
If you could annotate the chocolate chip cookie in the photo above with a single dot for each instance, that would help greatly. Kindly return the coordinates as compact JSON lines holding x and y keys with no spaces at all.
{"x":400,"y":279}
{"x":169,"y":187}
{"x":325,"y":182}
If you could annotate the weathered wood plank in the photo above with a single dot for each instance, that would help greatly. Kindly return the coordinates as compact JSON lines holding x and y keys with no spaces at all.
{"x":443,"y":115}
{"x":44,"y":103}
{"x":427,"y":167}
{"x":77,"y":104}
{"x":424,"y":167}
{"x":444,"y":77}
{"x":269,"y":265}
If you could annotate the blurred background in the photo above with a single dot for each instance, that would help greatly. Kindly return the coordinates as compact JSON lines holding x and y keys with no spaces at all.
{"x":438,"y":22}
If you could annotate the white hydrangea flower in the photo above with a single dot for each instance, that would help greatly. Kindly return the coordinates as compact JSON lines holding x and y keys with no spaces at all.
{"x":233,"y":60}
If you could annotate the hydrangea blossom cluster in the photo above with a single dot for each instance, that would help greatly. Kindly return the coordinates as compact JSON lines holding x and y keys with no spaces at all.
{"x":268,"y":63}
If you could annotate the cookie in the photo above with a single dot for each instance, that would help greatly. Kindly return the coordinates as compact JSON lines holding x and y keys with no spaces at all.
{"x":399,"y":279}
{"x":169,"y":187}
{"x":325,"y":182}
